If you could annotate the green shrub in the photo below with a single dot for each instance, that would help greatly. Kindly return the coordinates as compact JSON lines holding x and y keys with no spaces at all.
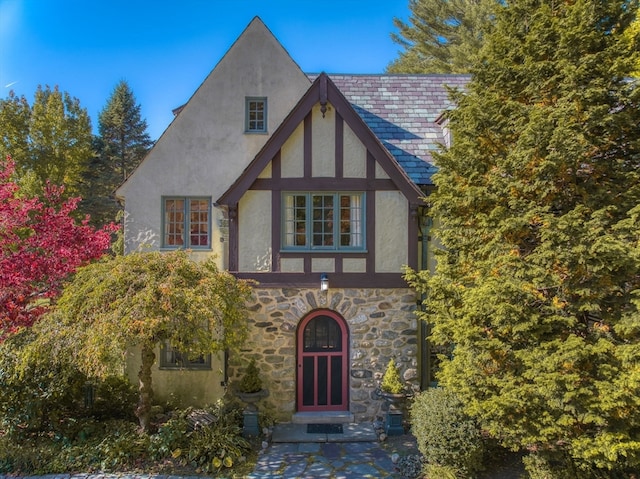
{"x":36,"y":394}
{"x":115,"y":398}
{"x":446,"y":436}
{"x":251,"y":381}
{"x":391,"y":380}
{"x":558,"y":464}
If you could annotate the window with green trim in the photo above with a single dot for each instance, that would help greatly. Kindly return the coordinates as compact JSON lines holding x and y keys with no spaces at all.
{"x":171,"y":358}
{"x":323,"y":221}
{"x":186,"y":223}
{"x":256,"y":115}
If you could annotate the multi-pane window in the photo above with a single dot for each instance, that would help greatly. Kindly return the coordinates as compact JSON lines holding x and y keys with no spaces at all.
{"x":256,"y":115}
{"x":171,"y":358}
{"x":332,"y":221}
{"x":187,"y":223}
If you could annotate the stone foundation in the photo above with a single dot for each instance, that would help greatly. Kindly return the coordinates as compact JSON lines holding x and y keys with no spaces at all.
{"x":382,"y":325}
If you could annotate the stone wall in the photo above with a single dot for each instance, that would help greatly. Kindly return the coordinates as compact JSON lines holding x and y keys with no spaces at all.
{"x":382,"y":325}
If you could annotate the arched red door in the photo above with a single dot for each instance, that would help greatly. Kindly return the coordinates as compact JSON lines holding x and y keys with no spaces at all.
{"x":322,"y":360}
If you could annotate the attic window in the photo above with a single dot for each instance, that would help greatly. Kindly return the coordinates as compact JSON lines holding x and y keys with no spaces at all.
{"x":256,"y":115}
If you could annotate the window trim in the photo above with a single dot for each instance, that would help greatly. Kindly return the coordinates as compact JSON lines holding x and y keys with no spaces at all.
{"x":187,"y":222}
{"x":309,"y":223}
{"x":247,"y":111}
{"x":163,"y":364}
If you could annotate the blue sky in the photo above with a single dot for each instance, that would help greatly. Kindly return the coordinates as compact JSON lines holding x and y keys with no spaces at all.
{"x":164,"y":49}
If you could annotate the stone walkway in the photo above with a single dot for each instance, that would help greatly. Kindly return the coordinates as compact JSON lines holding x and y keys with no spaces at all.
{"x":335,"y":460}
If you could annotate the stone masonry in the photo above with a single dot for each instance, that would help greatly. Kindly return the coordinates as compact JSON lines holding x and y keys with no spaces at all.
{"x":382,"y":325}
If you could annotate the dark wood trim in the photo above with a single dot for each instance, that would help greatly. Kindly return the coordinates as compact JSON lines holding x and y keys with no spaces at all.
{"x":370,"y":221}
{"x":373,"y":144}
{"x":276,"y":214}
{"x":233,"y":237}
{"x":336,"y":280}
{"x":323,"y":184}
{"x":298,"y":115}
{"x":308,"y":147}
{"x":412,"y":247}
{"x":339,"y":134}
{"x":273,"y":145}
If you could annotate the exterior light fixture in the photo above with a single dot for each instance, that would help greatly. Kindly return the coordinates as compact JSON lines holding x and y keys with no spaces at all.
{"x":324,"y":282}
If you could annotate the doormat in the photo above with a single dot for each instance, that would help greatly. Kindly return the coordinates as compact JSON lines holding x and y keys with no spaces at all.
{"x":324,"y":428}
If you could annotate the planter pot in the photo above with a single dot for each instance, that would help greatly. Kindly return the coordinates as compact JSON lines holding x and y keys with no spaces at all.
{"x":395,"y":401}
{"x":251,"y":399}
{"x":394,"y":418}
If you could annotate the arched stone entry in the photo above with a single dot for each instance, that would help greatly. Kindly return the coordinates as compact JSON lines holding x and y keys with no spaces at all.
{"x":322,"y":362}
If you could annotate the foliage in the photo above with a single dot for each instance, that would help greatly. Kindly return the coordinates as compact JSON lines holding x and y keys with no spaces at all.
{"x":442,"y":36}
{"x":40,"y":245}
{"x":251,"y":381}
{"x":445,"y":434}
{"x":42,"y":394}
{"x":35,"y":395}
{"x":50,"y":140}
{"x":144,"y":300}
{"x":117,"y":446}
{"x":391,"y":380}
{"x":538,"y":282}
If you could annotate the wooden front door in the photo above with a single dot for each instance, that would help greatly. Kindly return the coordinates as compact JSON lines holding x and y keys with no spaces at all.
{"x":323,"y":340}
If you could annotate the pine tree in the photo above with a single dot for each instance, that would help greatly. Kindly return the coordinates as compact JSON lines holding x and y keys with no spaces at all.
{"x":123,"y":132}
{"x":442,"y":36}
{"x":121,"y":145}
{"x":538,"y":208}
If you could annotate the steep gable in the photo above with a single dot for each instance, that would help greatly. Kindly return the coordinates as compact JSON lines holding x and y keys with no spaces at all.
{"x":206,"y":144}
{"x":323,"y":91}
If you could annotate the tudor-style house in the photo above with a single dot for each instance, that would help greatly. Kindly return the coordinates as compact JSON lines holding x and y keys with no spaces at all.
{"x":313,"y":186}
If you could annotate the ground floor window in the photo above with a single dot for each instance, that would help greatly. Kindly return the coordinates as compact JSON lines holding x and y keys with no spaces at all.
{"x":171,"y":358}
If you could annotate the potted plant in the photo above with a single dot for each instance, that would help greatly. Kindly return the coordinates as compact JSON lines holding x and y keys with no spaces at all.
{"x":250,"y":388}
{"x":393,"y":391}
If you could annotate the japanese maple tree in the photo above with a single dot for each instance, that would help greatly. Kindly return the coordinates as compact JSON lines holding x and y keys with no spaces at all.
{"x":41,"y":243}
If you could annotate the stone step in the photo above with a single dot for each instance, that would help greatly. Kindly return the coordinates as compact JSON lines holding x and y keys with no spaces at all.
{"x":323,"y":417}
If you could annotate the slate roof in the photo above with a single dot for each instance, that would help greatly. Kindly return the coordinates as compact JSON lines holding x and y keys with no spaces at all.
{"x":402,"y":110}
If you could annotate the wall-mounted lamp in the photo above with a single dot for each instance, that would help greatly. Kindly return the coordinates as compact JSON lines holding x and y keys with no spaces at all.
{"x":324,"y":282}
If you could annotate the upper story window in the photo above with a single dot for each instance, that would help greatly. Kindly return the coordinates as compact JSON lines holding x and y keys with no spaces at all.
{"x":187,"y":223}
{"x":171,"y":358}
{"x":256,"y":115}
{"x":329,"y":221}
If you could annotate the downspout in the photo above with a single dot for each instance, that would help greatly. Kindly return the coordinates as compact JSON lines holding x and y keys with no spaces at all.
{"x":424,"y":224}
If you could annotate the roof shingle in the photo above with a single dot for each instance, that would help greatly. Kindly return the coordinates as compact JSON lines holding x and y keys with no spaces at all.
{"x":402,"y":110}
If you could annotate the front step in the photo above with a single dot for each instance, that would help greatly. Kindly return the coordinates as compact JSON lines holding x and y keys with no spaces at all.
{"x":298,"y":433}
{"x":323,"y":417}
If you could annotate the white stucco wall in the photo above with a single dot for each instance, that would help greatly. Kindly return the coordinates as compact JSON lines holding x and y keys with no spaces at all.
{"x":181,"y":387}
{"x":323,"y":146}
{"x":355,"y":155}
{"x":391,"y":237}
{"x":205,"y":149}
{"x":254,"y":231}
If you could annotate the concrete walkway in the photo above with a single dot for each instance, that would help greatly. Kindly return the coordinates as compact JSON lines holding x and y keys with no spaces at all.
{"x":354,"y":454}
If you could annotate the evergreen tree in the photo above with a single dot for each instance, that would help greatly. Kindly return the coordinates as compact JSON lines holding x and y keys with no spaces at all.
{"x":442,"y":36}
{"x":122,"y":144}
{"x":123,"y":132}
{"x":538,"y":205}
{"x":50,"y":140}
